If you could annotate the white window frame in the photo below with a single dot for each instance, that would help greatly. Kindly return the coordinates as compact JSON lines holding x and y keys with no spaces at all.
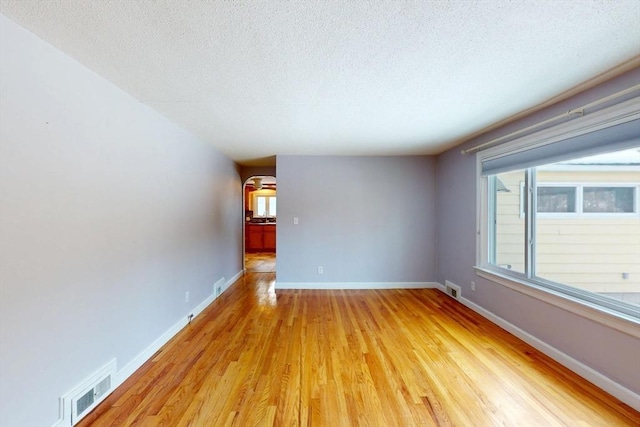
{"x":266,"y":203}
{"x":576,"y":301}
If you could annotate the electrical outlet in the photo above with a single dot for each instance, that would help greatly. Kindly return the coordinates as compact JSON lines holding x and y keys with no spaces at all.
{"x":473,"y":286}
{"x":217,"y":287}
{"x":320,"y":270}
{"x":186,"y":296}
{"x":295,"y":220}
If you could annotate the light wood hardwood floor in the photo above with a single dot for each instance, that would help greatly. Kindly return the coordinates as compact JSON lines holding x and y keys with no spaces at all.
{"x":260,"y":262}
{"x":351,"y":358}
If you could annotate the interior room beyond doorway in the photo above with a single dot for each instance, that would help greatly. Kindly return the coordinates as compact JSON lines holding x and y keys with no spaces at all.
{"x":260,"y":197}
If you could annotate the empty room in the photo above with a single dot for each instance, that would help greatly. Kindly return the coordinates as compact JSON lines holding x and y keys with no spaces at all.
{"x":319,"y":213}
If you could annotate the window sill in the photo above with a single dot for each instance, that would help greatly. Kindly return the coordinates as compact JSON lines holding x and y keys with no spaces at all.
{"x":621,"y":322}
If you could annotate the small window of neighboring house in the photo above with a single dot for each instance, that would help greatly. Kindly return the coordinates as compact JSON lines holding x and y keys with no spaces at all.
{"x":608,"y":199}
{"x":554,"y":198}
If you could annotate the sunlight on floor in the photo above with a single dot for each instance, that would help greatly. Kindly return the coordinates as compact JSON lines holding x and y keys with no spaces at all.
{"x":266,"y":293}
{"x":263,"y":265}
{"x":261,"y":262}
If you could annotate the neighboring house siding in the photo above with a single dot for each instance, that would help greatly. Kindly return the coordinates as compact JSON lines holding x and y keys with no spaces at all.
{"x":510,"y":224}
{"x":595,"y":252}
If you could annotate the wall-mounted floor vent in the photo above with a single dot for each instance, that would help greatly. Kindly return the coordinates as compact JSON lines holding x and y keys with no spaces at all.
{"x":87,"y":395}
{"x":82,"y":404}
{"x":452,"y":289}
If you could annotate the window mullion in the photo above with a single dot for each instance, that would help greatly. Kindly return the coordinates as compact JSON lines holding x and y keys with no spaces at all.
{"x":491,"y":217}
{"x":530,"y":223}
{"x":579,"y":200}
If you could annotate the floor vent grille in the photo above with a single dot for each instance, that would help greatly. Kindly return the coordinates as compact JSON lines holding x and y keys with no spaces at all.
{"x":90,"y":398}
{"x":84,"y":402}
{"x":452,"y":290}
{"x":87,"y":395}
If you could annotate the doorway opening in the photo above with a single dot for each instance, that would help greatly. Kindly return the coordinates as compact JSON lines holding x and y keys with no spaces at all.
{"x":260,"y":222}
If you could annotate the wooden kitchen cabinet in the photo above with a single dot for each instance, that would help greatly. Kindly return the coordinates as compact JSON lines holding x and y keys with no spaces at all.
{"x":253,"y":238}
{"x":260,"y":238}
{"x":269,"y":238}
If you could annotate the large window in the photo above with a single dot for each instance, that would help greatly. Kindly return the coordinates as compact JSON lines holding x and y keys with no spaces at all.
{"x":582,"y":234}
{"x":565,"y":216}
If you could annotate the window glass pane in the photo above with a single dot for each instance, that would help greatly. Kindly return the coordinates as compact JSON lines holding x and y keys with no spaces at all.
{"x":272,"y":206}
{"x":556,"y":199}
{"x":608,"y":199}
{"x":595,"y":253}
{"x":509,"y":232}
{"x":261,"y":206}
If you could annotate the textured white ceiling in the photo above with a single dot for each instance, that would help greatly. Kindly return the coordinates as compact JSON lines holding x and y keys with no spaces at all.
{"x":343,"y":77}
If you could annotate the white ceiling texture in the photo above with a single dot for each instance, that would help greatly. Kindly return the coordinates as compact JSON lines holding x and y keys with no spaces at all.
{"x":338,"y":77}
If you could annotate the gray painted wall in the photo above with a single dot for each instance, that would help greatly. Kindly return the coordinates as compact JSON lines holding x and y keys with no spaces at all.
{"x":612,"y":353}
{"x":110,"y":213}
{"x":363,"y":219}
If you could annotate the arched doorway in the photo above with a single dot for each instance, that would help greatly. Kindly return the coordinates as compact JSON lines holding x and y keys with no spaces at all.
{"x":260,"y":222}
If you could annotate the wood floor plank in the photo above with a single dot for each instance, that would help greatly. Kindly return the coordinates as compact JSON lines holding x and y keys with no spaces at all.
{"x":255,"y":357}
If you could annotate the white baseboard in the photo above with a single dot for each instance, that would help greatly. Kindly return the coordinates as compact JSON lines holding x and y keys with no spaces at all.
{"x":605,"y":383}
{"x":146,"y":354}
{"x":355,"y":285}
{"x":123,"y":374}
{"x":233,"y":280}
